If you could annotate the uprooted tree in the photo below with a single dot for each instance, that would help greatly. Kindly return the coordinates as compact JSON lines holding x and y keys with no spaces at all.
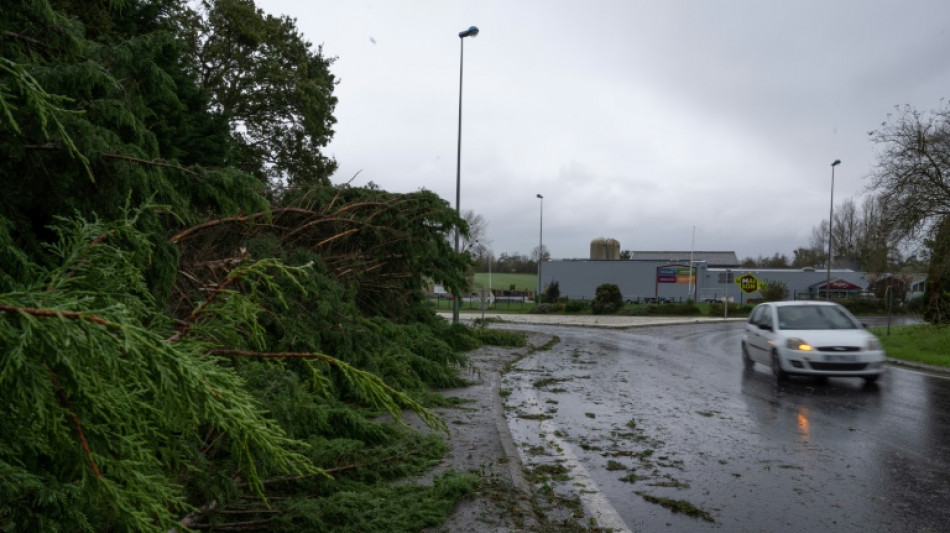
{"x":181,"y":345}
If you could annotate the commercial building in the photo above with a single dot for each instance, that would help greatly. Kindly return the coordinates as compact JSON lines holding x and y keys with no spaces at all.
{"x":665,"y":276}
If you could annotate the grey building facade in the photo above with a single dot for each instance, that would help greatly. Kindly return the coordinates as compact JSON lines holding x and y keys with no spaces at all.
{"x":645,"y":280}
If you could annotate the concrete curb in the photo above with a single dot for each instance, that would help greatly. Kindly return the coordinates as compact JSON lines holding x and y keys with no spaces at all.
{"x":920,"y":367}
{"x":515,"y":466}
{"x":597,"y":321}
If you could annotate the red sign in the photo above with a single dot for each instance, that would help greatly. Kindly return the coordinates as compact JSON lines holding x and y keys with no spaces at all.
{"x":841,"y":285}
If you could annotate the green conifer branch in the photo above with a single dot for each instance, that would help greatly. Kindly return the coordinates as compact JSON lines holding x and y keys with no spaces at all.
{"x":373,"y":389}
{"x":46,"y":107}
{"x":64,"y":401}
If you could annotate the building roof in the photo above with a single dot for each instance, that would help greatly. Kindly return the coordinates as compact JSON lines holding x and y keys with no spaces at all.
{"x":712,"y":259}
{"x":837,"y":284}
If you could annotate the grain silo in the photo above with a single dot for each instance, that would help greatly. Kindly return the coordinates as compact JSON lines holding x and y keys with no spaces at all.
{"x":601,"y":249}
{"x":598,"y":249}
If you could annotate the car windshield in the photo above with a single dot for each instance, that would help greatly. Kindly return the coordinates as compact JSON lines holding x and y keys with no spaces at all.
{"x":814,"y":317}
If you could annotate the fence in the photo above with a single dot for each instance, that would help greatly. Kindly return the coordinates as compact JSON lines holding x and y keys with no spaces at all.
{"x":505,"y":302}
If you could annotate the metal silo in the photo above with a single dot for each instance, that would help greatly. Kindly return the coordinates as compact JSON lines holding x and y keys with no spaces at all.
{"x":598,"y":249}
{"x":612,"y":249}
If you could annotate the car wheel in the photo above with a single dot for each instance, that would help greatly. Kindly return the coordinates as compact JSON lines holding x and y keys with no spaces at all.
{"x":746,"y":360}
{"x":780,"y":374}
{"x":871,"y":379}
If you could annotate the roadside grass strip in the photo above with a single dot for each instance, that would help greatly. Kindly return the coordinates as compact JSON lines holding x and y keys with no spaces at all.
{"x":918,"y":343}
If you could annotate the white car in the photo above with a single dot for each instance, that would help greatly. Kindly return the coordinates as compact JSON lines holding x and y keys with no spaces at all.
{"x":811,"y":338}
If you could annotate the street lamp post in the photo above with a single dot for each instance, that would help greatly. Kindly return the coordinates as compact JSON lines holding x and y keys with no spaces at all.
{"x":470,"y":32}
{"x":540,"y":245}
{"x":831,"y":214}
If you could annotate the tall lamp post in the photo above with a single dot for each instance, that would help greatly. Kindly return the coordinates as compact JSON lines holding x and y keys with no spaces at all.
{"x":471,"y":32}
{"x":831,"y":213}
{"x":540,"y":245}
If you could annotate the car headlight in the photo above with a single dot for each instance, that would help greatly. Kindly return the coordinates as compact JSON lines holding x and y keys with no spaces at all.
{"x":798,"y":344}
{"x":874,"y":345}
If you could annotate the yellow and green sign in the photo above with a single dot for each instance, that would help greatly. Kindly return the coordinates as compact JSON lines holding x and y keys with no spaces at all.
{"x":749,"y":283}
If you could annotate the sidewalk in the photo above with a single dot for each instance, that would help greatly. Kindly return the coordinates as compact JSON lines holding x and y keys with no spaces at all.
{"x":602,"y":321}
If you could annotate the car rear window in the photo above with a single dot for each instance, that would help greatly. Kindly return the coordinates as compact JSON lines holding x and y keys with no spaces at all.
{"x":814,"y":317}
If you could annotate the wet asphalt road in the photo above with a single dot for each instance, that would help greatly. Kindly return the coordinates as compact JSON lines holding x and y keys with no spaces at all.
{"x":644,"y":419}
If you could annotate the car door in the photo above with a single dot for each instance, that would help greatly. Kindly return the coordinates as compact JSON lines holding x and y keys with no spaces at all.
{"x":757,"y":338}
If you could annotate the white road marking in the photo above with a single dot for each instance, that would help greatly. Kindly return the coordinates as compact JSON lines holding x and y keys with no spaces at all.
{"x":595,"y":502}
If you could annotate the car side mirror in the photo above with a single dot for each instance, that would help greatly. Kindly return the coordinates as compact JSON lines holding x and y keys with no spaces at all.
{"x":765,"y":327}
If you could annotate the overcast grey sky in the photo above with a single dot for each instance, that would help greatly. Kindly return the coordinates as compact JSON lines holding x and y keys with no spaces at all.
{"x":636,"y":120}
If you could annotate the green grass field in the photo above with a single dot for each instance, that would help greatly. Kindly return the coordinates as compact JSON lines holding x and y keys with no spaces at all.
{"x":921,"y":343}
{"x":521,"y":282}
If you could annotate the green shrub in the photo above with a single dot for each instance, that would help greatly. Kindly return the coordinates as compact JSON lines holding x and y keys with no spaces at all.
{"x":552,"y":293}
{"x":864,"y":306}
{"x":484,"y":322}
{"x":607,"y":300}
{"x":546,"y":308}
{"x":460,"y":337}
{"x":498,"y":337}
{"x":637,"y":310}
{"x":669,"y":309}
{"x":716,"y":309}
{"x":542,"y":309}
{"x":678,"y":309}
{"x":576,"y":306}
{"x":774,"y":291}
{"x":915,"y":305}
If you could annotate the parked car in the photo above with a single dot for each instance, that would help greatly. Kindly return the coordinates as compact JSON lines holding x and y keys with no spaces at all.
{"x":811,"y":338}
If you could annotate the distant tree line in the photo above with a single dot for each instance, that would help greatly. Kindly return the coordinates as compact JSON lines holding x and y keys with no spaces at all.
{"x":509,"y":263}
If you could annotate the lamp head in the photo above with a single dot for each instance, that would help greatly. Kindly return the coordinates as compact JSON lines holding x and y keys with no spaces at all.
{"x":836,"y":162}
{"x":541,"y":197}
{"x":471,"y":32}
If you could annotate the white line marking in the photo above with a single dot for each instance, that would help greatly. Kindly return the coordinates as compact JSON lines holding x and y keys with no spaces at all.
{"x":594,"y":500}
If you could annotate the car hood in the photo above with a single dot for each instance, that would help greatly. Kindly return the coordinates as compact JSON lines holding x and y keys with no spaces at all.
{"x":830,"y":337}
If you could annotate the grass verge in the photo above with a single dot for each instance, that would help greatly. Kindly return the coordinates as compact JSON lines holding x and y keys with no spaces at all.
{"x":919,"y":343}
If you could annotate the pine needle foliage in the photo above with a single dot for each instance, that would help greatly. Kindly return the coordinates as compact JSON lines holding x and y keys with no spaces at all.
{"x":179,"y":343}
{"x":97,"y":109}
{"x":384,"y":245}
{"x":95,"y":398}
{"x":381,"y":508}
{"x":104,"y":394}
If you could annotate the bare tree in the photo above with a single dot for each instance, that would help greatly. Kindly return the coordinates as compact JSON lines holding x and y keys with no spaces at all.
{"x":476,"y":241}
{"x":516,"y":263}
{"x":863,"y":234}
{"x":819,"y":243}
{"x":808,"y":257}
{"x":845,"y":230}
{"x":542,"y":251}
{"x":913,"y":180}
{"x":877,"y":246}
{"x":937,"y":293}
{"x":912,"y":176}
